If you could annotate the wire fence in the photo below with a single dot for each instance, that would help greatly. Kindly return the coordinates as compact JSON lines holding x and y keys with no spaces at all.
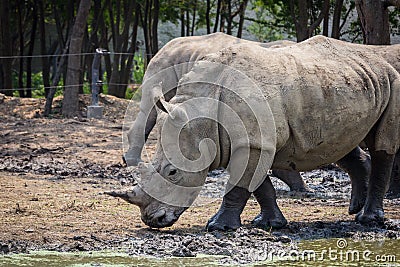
{"x":104,"y":52}
{"x":68,"y":55}
{"x":64,"y":86}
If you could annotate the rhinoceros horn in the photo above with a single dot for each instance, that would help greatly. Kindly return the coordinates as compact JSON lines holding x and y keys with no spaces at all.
{"x":136,"y":196}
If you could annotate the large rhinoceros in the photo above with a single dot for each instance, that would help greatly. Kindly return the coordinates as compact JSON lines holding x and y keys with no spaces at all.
{"x":250,"y":109}
{"x":168,"y":66}
{"x":173,"y":61}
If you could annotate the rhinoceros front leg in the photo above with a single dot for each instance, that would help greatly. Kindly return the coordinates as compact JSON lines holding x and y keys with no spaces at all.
{"x":357,"y":164}
{"x":270,"y":215}
{"x":138,"y":134}
{"x":228,"y":215}
{"x":381,"y":168}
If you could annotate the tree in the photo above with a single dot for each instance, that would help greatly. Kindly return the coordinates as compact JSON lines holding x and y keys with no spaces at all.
{"x":304,"y":25}
{"x":71,"y":92}
{"x":124,"y":20}
{"x":5,"y":49}
{"x":374,"y":18}
{"x":43,"y":49}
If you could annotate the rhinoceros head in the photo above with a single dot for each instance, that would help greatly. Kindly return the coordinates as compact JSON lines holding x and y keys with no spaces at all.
{"x":185,"y":151}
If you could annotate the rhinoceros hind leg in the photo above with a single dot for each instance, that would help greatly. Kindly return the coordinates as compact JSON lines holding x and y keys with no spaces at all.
{"x":381,"y":163}
{"x":270,"y":215}
{"x":394,"y":188}
{"x":228,"y":215}
{"x":293,"y":179}
{"x":357,"y":164}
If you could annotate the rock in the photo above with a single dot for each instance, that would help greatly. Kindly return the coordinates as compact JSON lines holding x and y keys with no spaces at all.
{"x":4,"y":248}
{"x":182,"y":251}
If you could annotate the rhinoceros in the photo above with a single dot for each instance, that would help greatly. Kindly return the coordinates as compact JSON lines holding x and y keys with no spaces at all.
{"x":168,"y":66}
{"x":250,"y":109}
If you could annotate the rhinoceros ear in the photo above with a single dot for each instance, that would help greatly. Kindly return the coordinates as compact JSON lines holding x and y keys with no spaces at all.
{"x":176,"y":113}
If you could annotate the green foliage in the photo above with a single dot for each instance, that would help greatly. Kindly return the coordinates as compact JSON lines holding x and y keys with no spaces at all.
{"x":271,"y":20}
{"x":37,"y":85}
{"x":138,"y":73}
{"x":394,"y":19}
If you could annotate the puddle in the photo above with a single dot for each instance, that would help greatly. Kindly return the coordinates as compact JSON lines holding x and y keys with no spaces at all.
{"x":57,"y":259}
{"x":324,"y":252}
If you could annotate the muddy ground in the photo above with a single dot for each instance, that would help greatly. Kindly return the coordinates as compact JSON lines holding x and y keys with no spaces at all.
{"x":54,"y":172}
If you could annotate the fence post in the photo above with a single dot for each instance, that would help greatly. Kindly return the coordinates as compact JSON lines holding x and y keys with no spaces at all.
{"x":94,"y":110}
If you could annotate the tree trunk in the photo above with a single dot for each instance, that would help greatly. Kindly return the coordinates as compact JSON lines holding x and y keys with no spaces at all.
{"x":325,"y":30}
{"x":45,"y":60}
{"x":187,"y":21}
{"x":229,"y":17}
{"x":145,"y":27}
{"x":302,"y":32}
{"x":241,"y":18}
{"x":154,"y":27}
{"x":56,"y":79}
{"x":208,"y":22}
{"x":374,"y":18}
{"x":118,"y":83}
{"x":194,"y":18}
{"x":126,"y":72}
{"x":336,"y":19}
{"x":30,"y":50}
{"x":222,"y":16}
{"x":217,"y":15}
{"x":21,"y":50}
{"x":71,"y":93}
{"x":6,"y":49}
{"x":182,"y":19}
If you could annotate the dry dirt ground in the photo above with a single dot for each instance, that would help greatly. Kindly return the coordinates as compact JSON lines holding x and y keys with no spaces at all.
{"x":53,"y":173}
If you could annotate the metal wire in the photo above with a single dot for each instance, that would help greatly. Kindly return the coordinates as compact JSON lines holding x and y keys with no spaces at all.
{"x":64,"y":55}
{"x":60,"y":86}
{"x":104,"y":52}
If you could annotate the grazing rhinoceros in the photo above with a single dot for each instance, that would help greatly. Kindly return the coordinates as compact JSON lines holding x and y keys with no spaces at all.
{"x":251,"y":109}
{"x":168,"y":66}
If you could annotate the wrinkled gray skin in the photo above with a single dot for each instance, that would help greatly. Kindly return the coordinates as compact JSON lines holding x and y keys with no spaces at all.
{"x":361,"y":98}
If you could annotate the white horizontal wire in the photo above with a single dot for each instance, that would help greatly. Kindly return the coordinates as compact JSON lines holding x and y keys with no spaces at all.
{"x":66,"y":55}
{"x":59,"y":86}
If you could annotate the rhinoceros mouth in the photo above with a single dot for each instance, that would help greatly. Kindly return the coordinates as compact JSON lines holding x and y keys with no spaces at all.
{"x":162,"y":218}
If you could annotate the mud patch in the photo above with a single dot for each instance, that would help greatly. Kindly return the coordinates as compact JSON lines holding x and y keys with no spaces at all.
{"x":53,"y":174}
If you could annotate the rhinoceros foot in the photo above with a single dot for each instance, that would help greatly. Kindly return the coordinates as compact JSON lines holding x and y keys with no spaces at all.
{"x":267,"y":220}
{"x":356,"y":204}
{"x":370,"y":217}
{"x":227,"y":219}
{"x":129,"y":161}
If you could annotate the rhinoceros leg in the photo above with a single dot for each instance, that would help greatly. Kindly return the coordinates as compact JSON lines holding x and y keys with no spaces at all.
{"x":143,"y":124}
{"x":394,"y":188}
{"x":293,"y":179}
{"x":228,"y":215}
{"x":381,"y":168}
{"x":138,"y":134}
{"x":270,"y":215}
{"x":358,"y":165}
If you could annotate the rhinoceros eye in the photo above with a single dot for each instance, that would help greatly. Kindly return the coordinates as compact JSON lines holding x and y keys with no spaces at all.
{"x":170,"y":172}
